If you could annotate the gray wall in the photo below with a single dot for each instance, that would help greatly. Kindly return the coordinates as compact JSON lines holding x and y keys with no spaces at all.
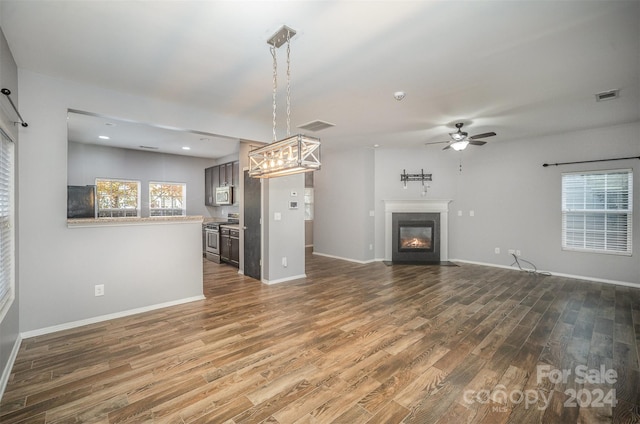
{"x":9,"y":326}
{"x":50,"y":252}
{"x":343,"y":195}
{"x":86,"y":162}
{"x":285,"y":237}
{"x":516,"y":202}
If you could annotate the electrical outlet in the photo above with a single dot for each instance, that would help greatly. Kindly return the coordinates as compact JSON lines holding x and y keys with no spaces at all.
{"x":371,"y":247}
{"x":497,"y":250}
{"x":99,"y":290}
{"x":284,"y":261}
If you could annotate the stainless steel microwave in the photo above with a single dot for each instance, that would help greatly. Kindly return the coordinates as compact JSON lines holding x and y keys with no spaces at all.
{"x":224,"y":195}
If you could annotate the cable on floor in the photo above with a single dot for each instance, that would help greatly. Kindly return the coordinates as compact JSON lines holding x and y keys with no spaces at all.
{"x":530,"y":271}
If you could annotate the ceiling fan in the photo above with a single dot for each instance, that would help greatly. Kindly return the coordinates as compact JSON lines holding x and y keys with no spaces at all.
{"x":460,"y":139}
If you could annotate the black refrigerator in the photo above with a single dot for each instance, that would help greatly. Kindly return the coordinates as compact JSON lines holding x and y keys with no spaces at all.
{"x":81,"y":201}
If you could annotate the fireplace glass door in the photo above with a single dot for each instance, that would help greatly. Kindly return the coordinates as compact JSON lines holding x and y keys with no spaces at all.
{"x":415,"y":236}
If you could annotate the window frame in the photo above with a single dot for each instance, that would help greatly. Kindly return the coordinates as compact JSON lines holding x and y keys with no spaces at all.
{"x":112,"y":210}
{"x":597,"y":237}
{"x":8,"y":255}
{"x":184,"y":198}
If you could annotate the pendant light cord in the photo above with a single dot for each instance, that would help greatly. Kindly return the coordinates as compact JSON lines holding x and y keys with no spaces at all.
{"x":288,"y":83}
{"x":275,"y":87}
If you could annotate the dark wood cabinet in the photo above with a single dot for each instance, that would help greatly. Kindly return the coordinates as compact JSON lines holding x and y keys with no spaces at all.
{"x":209,"y":188}
{"x":230,"y":245}
{"x":227,"y":174}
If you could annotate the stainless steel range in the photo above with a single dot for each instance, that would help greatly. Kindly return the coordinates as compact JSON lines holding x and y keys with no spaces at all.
{"x":212,"y":241}
{"x":212,"y":237}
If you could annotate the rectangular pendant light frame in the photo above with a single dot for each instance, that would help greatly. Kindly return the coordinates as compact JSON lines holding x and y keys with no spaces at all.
{"x":293,"y":155}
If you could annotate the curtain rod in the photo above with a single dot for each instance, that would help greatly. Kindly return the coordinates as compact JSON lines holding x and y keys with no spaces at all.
{"x":7,"y":92}
{"x":588,"y":161}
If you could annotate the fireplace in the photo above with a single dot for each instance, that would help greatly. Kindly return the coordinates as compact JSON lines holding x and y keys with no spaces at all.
{"x":416,"y":237}
{"x":435,"y":210}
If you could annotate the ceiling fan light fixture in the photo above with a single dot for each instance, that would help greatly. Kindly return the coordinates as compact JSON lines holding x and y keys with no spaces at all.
{"x":460,"y":145}
{"x":459,"y":135}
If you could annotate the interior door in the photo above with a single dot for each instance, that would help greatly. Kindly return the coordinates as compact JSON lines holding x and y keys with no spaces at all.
{"x":252,"y":226}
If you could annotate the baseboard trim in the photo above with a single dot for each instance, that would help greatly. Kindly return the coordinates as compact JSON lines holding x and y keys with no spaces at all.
{"x":283,"y":280}
{"x":557,"y":274}
{"x":101,"y":318}
{"x":6,"y":373}
{"x":345,"y":259}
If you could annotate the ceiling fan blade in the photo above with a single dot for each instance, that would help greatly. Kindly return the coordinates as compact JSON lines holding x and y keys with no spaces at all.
{"x":483,"y":135}
{"x":448,"y":145}
{"x":435,"y":142}
{"x":477,"y":142}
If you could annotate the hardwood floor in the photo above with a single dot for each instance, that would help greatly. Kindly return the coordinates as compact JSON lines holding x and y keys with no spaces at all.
{"x":349,"y":344}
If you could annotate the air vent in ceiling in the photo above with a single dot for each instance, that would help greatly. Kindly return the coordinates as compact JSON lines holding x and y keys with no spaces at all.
{"x":149,"y":147}
{"x":316,"y":125}
{"x":607,"y":95}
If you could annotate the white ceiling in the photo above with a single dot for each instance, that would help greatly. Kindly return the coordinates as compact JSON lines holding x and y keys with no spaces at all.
{"x":520,"y":68}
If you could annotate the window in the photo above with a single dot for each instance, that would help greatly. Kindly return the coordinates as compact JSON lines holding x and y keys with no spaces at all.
{"x":308,"y":204}
{"x":7,"y":231}
{"x":597,"y":211}
{"x":167,"y":199}
{"x":118,"y":198}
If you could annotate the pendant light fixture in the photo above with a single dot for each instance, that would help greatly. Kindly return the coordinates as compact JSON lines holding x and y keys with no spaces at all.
{"x":293,"y":154}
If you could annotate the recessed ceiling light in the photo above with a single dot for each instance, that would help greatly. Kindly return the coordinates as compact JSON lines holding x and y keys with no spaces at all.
{"x":110,"y":124}
{"x":104,"y":137}
{"x":186,"y":148}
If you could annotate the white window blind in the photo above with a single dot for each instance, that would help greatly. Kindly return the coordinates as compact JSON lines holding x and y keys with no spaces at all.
{"x":597,"y":211}
{"x":7,"y":238}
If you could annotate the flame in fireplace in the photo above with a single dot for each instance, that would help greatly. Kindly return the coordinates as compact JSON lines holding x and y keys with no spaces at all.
{"x":415,"y":243}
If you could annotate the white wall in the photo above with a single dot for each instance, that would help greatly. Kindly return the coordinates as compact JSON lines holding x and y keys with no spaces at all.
{"x":86,"y":162}
{"x":53,"y":291}
{"x":516,"y":202}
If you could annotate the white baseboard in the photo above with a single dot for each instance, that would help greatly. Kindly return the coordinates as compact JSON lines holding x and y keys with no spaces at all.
{"x":557,"y":274}
{"x":282,"y":280}
{"x":345,"y":259}
{"x":93,"y":320}
{"x":6,"y":373}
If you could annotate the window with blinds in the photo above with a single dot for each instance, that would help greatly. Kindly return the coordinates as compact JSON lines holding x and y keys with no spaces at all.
{"x":597,"y":211}
{"x":7,"y":237}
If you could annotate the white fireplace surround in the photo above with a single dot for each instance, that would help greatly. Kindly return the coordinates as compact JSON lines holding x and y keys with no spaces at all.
{"x":440,"y":206}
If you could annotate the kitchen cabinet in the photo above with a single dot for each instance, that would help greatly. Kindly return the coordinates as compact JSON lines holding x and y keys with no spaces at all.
{"x":209,"y":188}
{"x":227,"y":174}
{"x":230,"y":245}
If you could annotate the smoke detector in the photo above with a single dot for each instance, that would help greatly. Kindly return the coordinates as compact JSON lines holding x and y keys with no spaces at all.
{"x":399,"y":95}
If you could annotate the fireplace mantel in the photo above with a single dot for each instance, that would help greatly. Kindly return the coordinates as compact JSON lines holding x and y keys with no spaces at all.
{"x":440,"y":206}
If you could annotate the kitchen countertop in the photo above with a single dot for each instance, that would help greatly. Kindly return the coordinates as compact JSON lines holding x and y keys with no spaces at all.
{"x":230,"y":225}
{"x":106,"y":222}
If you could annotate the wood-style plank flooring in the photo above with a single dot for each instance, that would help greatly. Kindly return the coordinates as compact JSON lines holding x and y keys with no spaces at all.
{"x":349,"y":344}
